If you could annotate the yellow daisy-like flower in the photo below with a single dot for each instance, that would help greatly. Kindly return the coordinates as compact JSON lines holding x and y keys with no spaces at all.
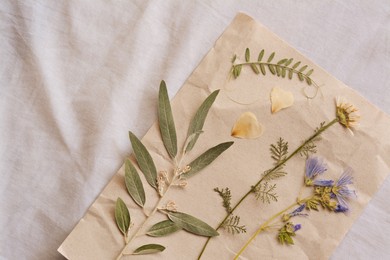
{"x":347,"y":114}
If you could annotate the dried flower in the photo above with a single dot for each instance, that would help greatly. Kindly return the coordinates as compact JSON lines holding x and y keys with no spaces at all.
{"x":346,"y":114}
{"x":314,"y":166}
{"x":342,"y":192}
{"x":296,"y":212}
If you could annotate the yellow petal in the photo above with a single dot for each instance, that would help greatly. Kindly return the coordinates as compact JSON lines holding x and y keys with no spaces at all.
{"x":247,"y":127}
{"x":280,"y":99}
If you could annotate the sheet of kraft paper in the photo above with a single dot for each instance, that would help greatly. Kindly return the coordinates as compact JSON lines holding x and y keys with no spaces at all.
{"x":367,"y":152}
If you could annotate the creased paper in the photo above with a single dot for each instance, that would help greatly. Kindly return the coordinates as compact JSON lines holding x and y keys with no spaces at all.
{"x":96,"y":236}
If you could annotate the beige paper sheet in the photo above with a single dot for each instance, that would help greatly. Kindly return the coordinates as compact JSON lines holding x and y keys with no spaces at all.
{"x":96,"y":236}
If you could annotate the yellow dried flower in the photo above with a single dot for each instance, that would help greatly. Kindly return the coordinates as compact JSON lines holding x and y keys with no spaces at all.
{"x":346,"y":114}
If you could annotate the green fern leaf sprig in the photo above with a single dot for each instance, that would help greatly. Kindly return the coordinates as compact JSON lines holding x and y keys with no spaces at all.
{"x":232,"y":225}
{"x":226,"y":196}
{"x":285,"y":67}
{"x":266,"y":192}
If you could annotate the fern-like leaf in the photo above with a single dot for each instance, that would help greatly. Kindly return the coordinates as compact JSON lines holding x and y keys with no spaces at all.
{"x":232,"y":225}
{"x":226,"y":198}
{"x":281,"y":68}
{"x":279,"y":151}
{"x":266,"y":193}
{"x":274,"y":174}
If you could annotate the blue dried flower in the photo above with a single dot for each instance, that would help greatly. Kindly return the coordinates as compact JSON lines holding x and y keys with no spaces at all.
{"x":324,"y":183}
{"x":342,"y":192}
{"x":314,"y":166}
{"x":297,"y":227}
{"x":296,"y":212}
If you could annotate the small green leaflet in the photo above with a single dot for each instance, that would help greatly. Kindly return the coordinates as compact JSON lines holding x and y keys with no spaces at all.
{"x":192,"y":224}
{"x":149,"y":249}
{"x":165,"y":119}
{"x":206,"y":158}
{"x":198,"y":120}
{"x":144,"y":160}
{"x":122,"y":216}
{"x":134,"y":184}
{"x":163,"y":228}
{"x":247,"y":55}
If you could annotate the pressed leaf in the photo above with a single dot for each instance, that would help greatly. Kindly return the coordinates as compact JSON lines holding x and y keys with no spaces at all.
{"x":198,"y":120}
{"x":165,"y":119}
{"x":278,"y":70}
{"x":309,"y":82}
{"x":290,"y":73}
{"x":192,"y":224}
{"x":144,"y":160}
{"x":134,"y":184}
{"x":289,"y":62}
{"x":261,"y":54}
{"x":303,"y":68}
{"x":149,"y":249}
{"x":300,"y":76}
{"x":122,"y":216}
{"x":271,"y":57}
{"x":163,"y":228}
{"x":255,"y":69}
{"x":206,"y":158}
{"x":234,"y":58}
{"x":296,"y":65}
{"x":309,"y":73}
{"x":281,"y":61}
{"x":272,"y":69}
{"x":262,"y":68}
{"x":247,"y":55}
{"x":284,"y":72}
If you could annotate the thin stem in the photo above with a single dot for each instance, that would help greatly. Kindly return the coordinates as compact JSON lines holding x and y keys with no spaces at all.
{"x":266,"y":224}
{"x":154,"y":210}
{"x":270,"y":171}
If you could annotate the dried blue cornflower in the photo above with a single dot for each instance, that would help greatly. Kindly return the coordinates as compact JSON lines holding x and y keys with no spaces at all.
{"x":314,"y":166}
{"x":296,"y":212}
{"x":342,"y":192}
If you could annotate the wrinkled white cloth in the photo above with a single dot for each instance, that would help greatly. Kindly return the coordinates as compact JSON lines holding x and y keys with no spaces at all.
{"x":76,"y":76}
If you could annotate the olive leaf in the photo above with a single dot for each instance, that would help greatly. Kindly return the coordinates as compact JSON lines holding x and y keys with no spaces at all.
{"x":149,"y":249}
{"x":198,"y":120}
{"x":163,"y":228}
{"x":144,"y":160}
{"x":192,"y":224}
{"x":134,"y":184}
{"x":206,"y":158}
{"x":165,"y":119}
{"x":122,"y":216}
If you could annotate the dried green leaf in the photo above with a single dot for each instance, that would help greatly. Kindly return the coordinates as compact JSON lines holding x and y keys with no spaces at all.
{"x":284,"y":72}
{"x":165,"y":119}
{"x":278,"y":70}
{"x":262,"y":68}
{"x":281,"y":61}
{"x":234,"y":58}
{"x":309,"y":73}
{"x":303,"y":68}
{"x":198,"y":120}
{"x":272,"y":69}
{"x":271,"y":57}
{"x":122,"y":216}
{"x":237,"y":70}
{"x":149,"y":249}
{"x":296,"y":65}
{"x":134,"y":184}
{"x":206,"y":158}
{"x":192,"y":224}
{"x":163,"y":228}
{"x":255,"y":69}
{"x":247,"y":55}
{"x":309,"y":81}
{"x":144,"y":160}
{"x":261,"y":54}
{"x":300,"y":76}
{"x":290,"y":73}
{"x":289,"y":62}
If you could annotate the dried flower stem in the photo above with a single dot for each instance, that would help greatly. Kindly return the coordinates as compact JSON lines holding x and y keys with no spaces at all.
{"x":267,"y":223}
{"x":128,"y":240}
{"x":295,"y":152}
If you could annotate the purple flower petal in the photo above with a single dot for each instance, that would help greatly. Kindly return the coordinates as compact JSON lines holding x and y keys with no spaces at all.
{"x":315,"y":166}
{"x":324,"y":183}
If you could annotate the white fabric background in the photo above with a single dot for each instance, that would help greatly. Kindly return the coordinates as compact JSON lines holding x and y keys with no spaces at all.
{"x":75,"y":76}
